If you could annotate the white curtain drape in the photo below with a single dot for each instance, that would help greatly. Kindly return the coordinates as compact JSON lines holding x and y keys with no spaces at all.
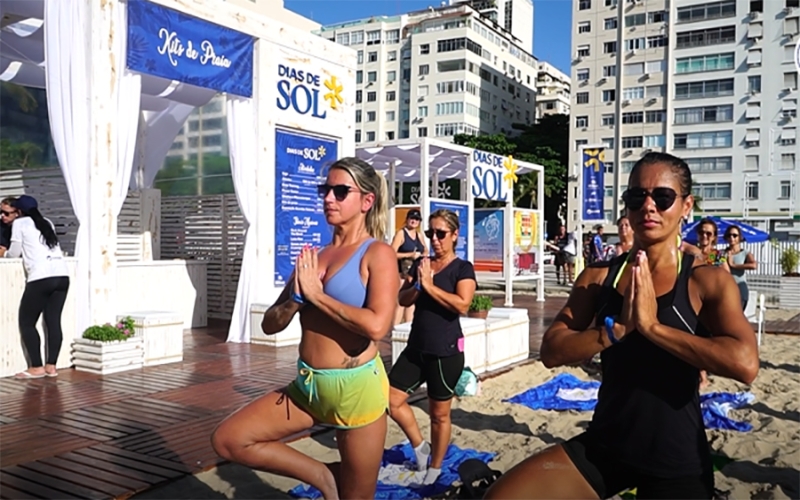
{"x":162,"y":127}
{"x":68,"y":85}
{"x":243,"y":147}
{"x":127,"y":106}
{"x":67,"y":73}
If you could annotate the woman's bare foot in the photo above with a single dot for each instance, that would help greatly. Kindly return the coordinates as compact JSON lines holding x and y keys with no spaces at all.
{"x":37,"y":372}
{"x":50,"y":370}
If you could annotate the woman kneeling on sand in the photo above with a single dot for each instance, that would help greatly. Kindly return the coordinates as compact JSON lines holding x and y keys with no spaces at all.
{"x":650,"y":314}
{"x":341,"y":381}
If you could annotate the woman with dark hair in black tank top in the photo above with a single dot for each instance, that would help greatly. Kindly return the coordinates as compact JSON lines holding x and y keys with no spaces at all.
{"x":408,"y":244}
{"x":657,"y":316}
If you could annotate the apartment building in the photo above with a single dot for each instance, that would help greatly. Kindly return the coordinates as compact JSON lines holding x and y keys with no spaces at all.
{"x":206,"y":129}
{"x":552,"y":91}
{"x":713,"y":82}
{"x":515,"y":16}
{"x":437,"y":73}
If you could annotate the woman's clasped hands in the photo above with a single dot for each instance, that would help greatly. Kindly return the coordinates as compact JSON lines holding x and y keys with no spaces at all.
{"x":639,"y":305}
{"x":307,"y":277}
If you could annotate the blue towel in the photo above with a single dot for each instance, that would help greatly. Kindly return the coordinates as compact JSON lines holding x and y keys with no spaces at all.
{"x":567,"y":392}
{"x":547,"y":397}
{"x":716,"y":406}
{"x":400,"y":454}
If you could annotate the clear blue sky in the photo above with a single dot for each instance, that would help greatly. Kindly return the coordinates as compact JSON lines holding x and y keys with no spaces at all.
{"x":552,"y":26}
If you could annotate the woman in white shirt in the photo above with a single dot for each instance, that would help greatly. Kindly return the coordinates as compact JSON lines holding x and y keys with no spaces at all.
{"x":34,"y":239}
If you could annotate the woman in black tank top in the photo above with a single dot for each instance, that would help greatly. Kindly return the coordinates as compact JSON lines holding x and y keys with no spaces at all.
{"x":408,"y":245}
{"x":657,"y":316}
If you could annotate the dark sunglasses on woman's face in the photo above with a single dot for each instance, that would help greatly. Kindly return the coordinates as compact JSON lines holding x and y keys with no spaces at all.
{"x":340,"y":191}
{"x":732,"y":235}
{"x":7,"y":214}
{"x":440,"y":234}
{"x":705,"y":233}
{"x":663,"y":197}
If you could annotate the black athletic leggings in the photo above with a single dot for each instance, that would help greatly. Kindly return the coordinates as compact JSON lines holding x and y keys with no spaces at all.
{"x":43,"y":296}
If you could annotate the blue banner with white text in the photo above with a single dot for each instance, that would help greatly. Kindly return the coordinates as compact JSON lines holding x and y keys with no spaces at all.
{"x":300,"y":163}
{"x":172,"y":45}
{"x":594,"y":166}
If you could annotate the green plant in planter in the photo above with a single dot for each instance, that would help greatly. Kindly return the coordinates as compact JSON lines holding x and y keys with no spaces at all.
{"x":110,"y":333}
{"x":790,"y":258}
{"x":480,"y":303}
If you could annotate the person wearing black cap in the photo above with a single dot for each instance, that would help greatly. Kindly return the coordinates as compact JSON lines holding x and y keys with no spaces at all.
{"x":34,"y":239}
{"x":409,"y":247}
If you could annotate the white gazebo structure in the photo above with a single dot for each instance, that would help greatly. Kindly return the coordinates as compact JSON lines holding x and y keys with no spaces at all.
{"x":483,"y":176}
{"x":121,"y":78}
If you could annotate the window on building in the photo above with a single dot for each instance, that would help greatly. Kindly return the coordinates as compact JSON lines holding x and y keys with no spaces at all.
{"x":704,"y":114}
{"x":422,"y":90}
{"x":372,"y":76}
{"x":655,"y":141}
{"x":422,"y":131}
{"x":422,"y":111}
{"x":714,"y":10}
{"x":609,"y":71}
{"x":391,"y":55}
{"x":372,"y":96}
{"x":752,"y":190}
{"x":609,"y":95}
{"x":585,"y":27}
{"x":610,"y":47}
{"x":633,"y":117}
{"x":713,"y":191}
{"x":788,"y":161}
{"x":372,"y":57}
{"x":610,"y":23}
{"x":633,"y":69}
{"x":706,"y":37}
{"x":359,"y":77}
{"x":584,"y":4}
{"x":704,"y":140}
{"x":358,"y":96}
{"x":373,"y":38}
{"x":608,"y":120}
{"x":582,"y":98}
{"x":360,"y":56}
{"x":391,"y":95}
{"x":632,"y":142}
{"x":656,"y":116}
{"x":654,"y":91}
{"x":711,"y":62}
{"x":370,"y":136}
{"x":370,"y":116}
{"x":790,"y":80}
{"x":751,"y":163}
{"x":356,"y":38}
{"x":786,"y":190}
{"x":754,"y":84}
{"x":392,"y":36}
{"x":391,"y":76}
{"x":358,"y":136}
{"x":579,"y":143}
{"x":608,"y":142}
{"x":424,"y":69}
{"x":358,"y":116}
{"x":700,"y":90}
{"x":582,"y":75}
{"x":710,"y":165}
{"x":583,"y":51}
{"x":343,"y":38}
{"x":390,"y":115}
{"x":789,"y":136}
{"x":581,"y":121}
{"x":633,"y":93}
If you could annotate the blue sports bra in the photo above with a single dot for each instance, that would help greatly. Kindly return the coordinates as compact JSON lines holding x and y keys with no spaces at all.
{"x":345,"y":285}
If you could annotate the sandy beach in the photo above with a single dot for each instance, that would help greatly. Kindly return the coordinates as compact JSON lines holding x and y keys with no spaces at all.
{"x":766,"y":460}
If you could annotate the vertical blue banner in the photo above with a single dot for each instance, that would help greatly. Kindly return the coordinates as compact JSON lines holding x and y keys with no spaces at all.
{"x":299,"y":218}
{"x":463,"y":232}
{"x":594,"y":165}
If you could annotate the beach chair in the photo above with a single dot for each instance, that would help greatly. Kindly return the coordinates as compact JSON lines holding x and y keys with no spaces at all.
{"x":754,"y":312}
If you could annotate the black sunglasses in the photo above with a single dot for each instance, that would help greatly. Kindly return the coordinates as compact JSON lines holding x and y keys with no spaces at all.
{"x":6,"y":213}
{"x":663,"y":197}
{"x":340,"y":191}
{"x":440,"y":233}
{"x":732,"y":235}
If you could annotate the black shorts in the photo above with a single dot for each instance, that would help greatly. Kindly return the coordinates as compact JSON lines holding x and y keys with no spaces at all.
{"x":413,"y":368}
{"x":608,"y":476}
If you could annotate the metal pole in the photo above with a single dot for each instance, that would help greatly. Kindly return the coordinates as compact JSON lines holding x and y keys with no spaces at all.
{"x":200,"y":150}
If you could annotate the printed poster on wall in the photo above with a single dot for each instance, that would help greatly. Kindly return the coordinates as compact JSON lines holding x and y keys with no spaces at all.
{"x":526,"y":227}
{"x":593,"y":162}
{"x":463,"y":221}
{"x":488,"y":240}
{"x":170,"y":44}
{"x":299,"y":218}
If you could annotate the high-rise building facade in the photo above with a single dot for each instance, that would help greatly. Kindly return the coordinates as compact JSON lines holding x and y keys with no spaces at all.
{"x":552,"y":91}
{"x":437,"y":73}
{"x":713,"y":82}
{"x":515,"y":16}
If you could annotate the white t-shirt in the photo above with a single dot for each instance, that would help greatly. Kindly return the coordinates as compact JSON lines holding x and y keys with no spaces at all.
{"x":571,"y":247}
{"x":39,"y":260}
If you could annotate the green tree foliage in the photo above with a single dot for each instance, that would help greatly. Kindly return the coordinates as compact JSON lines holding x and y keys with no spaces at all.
{"x":179,"y":177}
{"x":545,"y":143}
{"x":17,"y":155}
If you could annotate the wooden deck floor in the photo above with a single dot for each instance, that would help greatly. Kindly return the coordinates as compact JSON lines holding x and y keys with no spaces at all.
{"x":88,"y":436}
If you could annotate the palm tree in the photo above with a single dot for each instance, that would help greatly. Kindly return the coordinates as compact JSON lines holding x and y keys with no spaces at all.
{"x":22,"y":96}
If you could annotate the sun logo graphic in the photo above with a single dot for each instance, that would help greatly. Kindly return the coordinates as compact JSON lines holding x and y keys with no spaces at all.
{"x":510,"y":175}
{"x":334,"y":96}
{"x":592,"y":158}
{"x":321,"y":150}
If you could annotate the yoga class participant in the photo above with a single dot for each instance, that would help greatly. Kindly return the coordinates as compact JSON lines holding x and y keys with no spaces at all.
{"x":656,"y":316}
{"x":408,"y":244}
{"x":739,"y":260}
{"x":442,"y":287}
{"x":346,"y":300}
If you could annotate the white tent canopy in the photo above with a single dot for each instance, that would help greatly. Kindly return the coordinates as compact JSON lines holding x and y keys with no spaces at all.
{"x":446,"y":161}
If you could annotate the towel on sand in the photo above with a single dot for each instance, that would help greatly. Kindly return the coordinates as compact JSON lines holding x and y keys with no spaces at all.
{"x":567,"y":392}
{"x":397,"y":481}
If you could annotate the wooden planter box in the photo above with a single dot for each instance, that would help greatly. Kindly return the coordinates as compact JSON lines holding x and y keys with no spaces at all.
{"x":162,"y":332}
{"x":507,"y":337}
{"x":789,"y":294}
{"x":107,"y":357}
{"x":291,"y":335}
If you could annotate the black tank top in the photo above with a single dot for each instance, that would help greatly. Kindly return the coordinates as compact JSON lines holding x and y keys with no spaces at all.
{"x":648,"y":407}
{"x":410,"y":244}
